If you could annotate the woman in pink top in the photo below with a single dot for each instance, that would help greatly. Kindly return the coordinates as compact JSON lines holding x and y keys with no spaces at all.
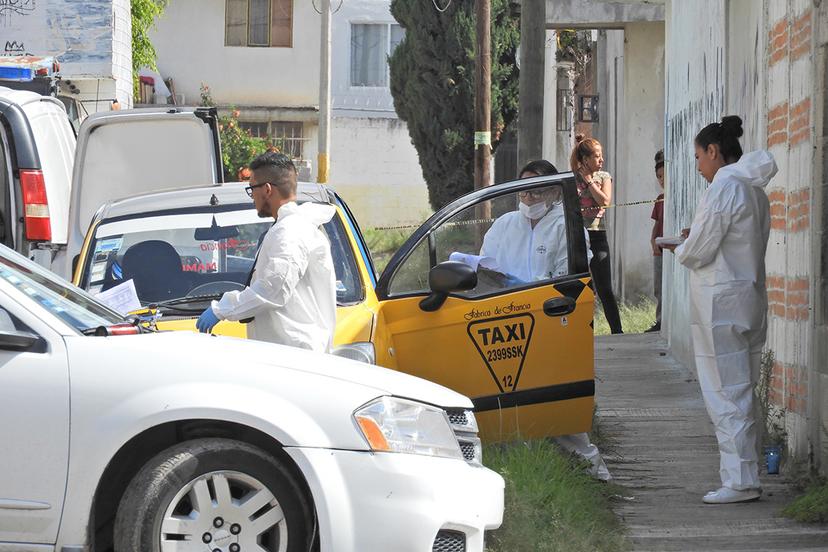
{"x":595,"y":192}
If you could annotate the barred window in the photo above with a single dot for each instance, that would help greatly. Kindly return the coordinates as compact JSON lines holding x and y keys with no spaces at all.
{"x":288,"y":136}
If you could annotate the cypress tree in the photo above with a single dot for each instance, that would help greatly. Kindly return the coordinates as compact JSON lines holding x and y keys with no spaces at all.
{"x":432,"y":82}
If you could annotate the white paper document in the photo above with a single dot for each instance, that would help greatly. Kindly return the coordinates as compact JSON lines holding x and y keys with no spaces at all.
{"x":670,"y":240}
{"x":474,"y":261}
{"x":122,"y":298}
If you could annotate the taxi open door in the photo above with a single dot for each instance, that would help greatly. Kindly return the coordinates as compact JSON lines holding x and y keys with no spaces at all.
{"x":497,"y":307}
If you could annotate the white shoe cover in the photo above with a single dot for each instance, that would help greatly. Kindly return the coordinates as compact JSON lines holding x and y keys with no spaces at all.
{"x":727,"y":495}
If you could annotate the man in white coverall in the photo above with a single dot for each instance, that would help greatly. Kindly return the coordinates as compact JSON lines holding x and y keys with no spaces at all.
{"x":530,"y":244}
{"x":291,"y":297}
{"x":725,"y":252}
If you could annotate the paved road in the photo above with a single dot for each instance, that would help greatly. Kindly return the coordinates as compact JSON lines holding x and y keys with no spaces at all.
{"x":663,"y":451}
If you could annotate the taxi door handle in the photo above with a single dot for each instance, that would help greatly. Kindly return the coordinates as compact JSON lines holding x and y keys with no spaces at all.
{"x":559,"y":306}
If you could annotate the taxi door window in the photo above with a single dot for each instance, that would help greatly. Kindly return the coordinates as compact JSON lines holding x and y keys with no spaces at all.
{"x":513,"y":241}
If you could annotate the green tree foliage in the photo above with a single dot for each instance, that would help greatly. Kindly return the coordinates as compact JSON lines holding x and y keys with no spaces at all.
{"x":238,"y":146}
{"x":432,"y":82}
{"x":144,"y":14}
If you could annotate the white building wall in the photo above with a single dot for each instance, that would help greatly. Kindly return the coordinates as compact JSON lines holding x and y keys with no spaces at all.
{"x":641,"y":129}
{"x":376,"y":170}
{"x":695,"y":97}
{"x":189,"y":39}
{"x":358,"y":101}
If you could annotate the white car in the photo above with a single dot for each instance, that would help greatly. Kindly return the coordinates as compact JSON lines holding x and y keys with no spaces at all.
{"x":174,"y":441}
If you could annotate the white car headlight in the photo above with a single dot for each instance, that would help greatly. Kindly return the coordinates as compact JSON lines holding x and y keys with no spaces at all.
{"x":390,"y":424}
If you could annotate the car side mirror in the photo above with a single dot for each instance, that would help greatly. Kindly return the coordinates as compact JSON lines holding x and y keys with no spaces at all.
{"x":445,"y":278}
{"x":19,"y":341}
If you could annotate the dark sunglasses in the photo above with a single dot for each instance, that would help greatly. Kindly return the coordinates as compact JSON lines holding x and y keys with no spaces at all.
{"x":534,"y":194}
{"x":249,"y":189}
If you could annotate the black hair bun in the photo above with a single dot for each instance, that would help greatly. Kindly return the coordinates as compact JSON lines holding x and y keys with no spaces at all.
{"x":732,"y":125}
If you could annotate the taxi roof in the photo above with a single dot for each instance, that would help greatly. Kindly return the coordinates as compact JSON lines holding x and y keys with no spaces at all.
{"x":228,"y":193}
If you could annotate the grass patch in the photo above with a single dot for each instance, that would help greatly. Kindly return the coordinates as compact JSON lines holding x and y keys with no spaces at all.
{"x":384,"y":243}
{"x":552,"y":504}
{"x":812,"y":507}
{"x":635,"y":317}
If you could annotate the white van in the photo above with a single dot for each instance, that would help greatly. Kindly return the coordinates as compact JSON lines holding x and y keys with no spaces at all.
{"x":52,"y":186}
{"x":37,"y":149}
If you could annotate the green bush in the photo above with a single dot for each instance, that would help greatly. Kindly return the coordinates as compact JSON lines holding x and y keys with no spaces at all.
{"x":238,"y":146}
{"x":812,"y":507}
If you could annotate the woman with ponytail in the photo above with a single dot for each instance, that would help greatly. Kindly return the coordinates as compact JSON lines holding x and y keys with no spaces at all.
{"x":725,"y":253}
{"x":595,"y":192}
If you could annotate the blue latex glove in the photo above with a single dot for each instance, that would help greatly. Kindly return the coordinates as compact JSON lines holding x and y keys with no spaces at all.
{"x":207,"y":321}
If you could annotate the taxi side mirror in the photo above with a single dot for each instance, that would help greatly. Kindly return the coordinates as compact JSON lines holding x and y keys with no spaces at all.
{"x":445,"y":278}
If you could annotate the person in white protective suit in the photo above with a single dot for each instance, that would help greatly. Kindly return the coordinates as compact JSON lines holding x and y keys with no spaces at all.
{"x":725,"y":252}
{"x":530,"y":244}
{"x":291,"y":296}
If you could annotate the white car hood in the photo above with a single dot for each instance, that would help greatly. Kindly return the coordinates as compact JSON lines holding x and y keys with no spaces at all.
{"x":228,"y":354}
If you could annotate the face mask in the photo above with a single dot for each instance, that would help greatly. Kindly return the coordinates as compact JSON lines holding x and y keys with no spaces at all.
{"x":534,"y":211}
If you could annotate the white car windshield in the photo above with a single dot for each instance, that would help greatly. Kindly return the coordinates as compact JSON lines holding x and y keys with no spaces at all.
{"x":62,"y":299}
{"x":186,"y":253}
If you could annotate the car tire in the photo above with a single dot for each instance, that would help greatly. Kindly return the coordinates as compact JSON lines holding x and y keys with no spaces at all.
{"x":213,"y":494}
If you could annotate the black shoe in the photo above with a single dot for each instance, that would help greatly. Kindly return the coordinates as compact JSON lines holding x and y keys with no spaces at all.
{"x":655,"y":328}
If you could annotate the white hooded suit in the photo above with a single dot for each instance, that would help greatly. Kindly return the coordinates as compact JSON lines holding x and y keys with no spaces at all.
{"x":725,"y":253}
{"x":292,"y":293}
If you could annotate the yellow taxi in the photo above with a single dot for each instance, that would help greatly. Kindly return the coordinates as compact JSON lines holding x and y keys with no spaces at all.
{"x":442,"y":309}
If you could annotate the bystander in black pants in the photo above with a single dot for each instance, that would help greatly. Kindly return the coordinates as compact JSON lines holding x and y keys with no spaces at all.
{"x":602,"y":277}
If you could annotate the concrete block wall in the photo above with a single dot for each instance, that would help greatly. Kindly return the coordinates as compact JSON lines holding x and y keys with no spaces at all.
{"x":122,"y":52}
{"x":382,"y":190}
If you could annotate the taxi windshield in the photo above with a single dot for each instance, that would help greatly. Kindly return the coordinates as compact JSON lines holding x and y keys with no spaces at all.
{"x":195,"y":253}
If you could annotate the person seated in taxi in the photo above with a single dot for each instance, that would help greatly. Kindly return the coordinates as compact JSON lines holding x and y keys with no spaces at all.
{"x":529,"y":245}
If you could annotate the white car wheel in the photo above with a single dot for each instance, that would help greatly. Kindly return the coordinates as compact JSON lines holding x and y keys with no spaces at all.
{"x":213,"y":495}
{"x":224,"y":510}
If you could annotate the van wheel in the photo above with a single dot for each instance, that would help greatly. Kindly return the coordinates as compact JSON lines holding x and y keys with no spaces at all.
{"x":213,"y":495}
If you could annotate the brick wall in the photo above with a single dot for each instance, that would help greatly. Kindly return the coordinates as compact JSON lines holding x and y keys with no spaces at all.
{"x":789,"y":138}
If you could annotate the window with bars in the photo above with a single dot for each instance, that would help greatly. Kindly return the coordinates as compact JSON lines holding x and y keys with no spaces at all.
{"x":258,"y":23}
{"x":288,"y":136}
{"x":371,"y":44}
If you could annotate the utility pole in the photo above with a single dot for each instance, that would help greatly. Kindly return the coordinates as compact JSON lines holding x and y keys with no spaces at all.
{"x":323,"y":161}
{"x":483,"y":96}
{"x":532,"y":66}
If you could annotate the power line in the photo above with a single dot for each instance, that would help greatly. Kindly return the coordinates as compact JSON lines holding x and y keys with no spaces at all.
{"x":317,"y":10}
{"x":438,"y":8}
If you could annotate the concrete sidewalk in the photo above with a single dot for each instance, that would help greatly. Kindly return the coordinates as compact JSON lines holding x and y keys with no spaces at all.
{"x":663,"y":451}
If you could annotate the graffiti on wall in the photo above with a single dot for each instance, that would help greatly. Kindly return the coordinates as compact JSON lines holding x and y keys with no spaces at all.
{"x":12,"y":9}
{"x":14,"y":48}
{"x":78,"y":32}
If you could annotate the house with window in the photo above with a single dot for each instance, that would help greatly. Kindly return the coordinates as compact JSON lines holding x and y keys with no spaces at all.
{"x":374,"y":165}
{"x":261,"y":57}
